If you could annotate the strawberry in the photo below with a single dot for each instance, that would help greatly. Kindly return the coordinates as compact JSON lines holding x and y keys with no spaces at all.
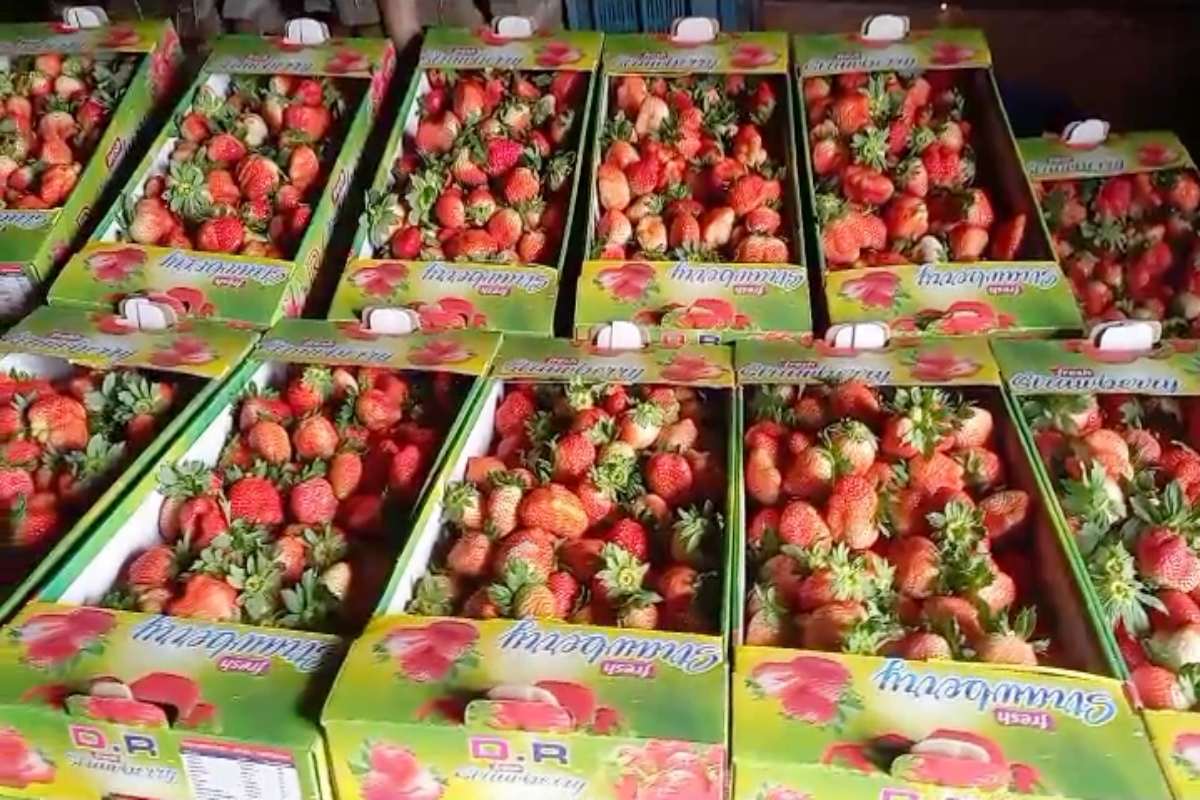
{"x":555,"y":509}
{"x":221,"y":235}
{"x":1164,"y":558}
{"x":256,"y":500}
{"x":851,"y":512}
{"x":669,"y":475}
{"x":1159,"y":688}
{"x":630,"y":536}
{"x":207,"y":598}
{"x":270,"y":441}
{"x":521,"y":185}
{"x":257,"y":176}
{"x":152,"y":568}
{"x":345,"y":474}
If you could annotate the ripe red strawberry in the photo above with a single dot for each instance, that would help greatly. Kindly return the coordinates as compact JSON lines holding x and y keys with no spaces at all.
{"x":270,"y":441}
{"x":221,"y":235}
{"x":503,"y":154}
{"x":256,"y":500}
{"x":669,"y":475}
{"x":208,"y":598}
{"x":153,"y":567}
{"x":1159,"y":688}
{"x":555,"y":509}
{"x":631,"y":536}
{"x":315,"y":438}
{"x":225,"y":148}
{"x":303,"y":167}
{"x":943,"y":165}
{"x":1164,"y":558}
{"x":257,"y":177}
{"x":345,"y":474}
{"x":312,"y":121}
{"x":851,"y":512}
{"x":470,"y":555}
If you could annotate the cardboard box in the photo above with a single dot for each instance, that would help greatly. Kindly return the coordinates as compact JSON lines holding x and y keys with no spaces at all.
{"x":50,"y":342}
{"x":826,"y":724}
{"x":920,"y":291}
{"x":37,"y":242}
{"x":251,"y":289}
{"x":678,"y":294}
{"x":1130,"y":275}
{"x":1060,"y":377}
{"x":119,"y":702}
{"x":420,"y":704}
{"x":502,"y":294}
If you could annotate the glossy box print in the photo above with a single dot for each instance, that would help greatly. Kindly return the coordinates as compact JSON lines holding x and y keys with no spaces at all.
{"x":908,"y":622}
{"x":230,"y":212}
{"x":923,"y":211}
{"x":467,"y":221}
{"x":528,"y":667}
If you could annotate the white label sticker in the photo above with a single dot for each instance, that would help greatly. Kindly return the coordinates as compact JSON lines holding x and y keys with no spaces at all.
{"x":228,"y":771}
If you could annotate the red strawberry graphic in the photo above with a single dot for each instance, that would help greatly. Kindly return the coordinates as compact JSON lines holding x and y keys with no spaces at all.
{"x":607,"y":721}
{"x":121,"y":711}
{"x":627,"y":282}
{"x":355,"y":330}
{"x":807,"y":705}
{"x":687,"y":368}
{"x":381,"y":279}
{"x":115,"y":266}
{"x":749,"y":55}
{"x":428,"y":654}
{"x":21,"y":765}
{"x":51,"y":639}
{"x":47,"y":651}
{"x":1156,"y":155}
{"x":112,"y":324}
{"x":167,"y":689}
{"x":947,"y":54}
{"x":394,"y":773}
{"x":942,"y":365}
{"x":522,"y":715}
{"x":344,"y":61}
{"x":576,"y":698}
{"x":451,"y":637}
{"x":394,"y":761}
{"x":119,"y":36}
{"x":873,"y":290}
{"x":558,"y":54}
{"x":50,"y":694}
{"x":88,"y":623}
{"x":458,"y":305}
{"x":783,"y":793}
{"x":440,"y":351}
{"x":432,"y":318}
{"x":189,"y":297}
{"x":721,"y":310}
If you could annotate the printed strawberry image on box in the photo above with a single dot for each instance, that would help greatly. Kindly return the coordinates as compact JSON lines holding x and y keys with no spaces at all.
{"x":466,"y":224}
{"x":76,"y":96}
{"x":88,"y":402}
{"x":1113,"y":434}
{"x":231,"y":210}
{"x":199,"y":625}
{"x":1121,"y":211}
{"x":563,"y":590}
{"x":694,"y":227}
{"x":924,"y":213}
{"x":906,"y":621}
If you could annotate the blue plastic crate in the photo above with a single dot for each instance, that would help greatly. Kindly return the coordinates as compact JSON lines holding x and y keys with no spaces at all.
{"x":625,"y":16}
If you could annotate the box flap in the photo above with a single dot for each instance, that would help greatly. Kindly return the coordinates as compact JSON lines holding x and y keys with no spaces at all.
{"x":965,"y":362}
{"x":831,"y":54}
{"x":1080,"y":367}
{"x":141,"y":36}
{"x":1050,"y":157}
{"x":248,"y":289}
{"x":447,"y":295}
{"x":524,"y":358}
{"x":106,"y":339}
{"x":311,"y":341}
{"x":481,"y":48}
{"x":725,"y":300}
{"x":236,"y":680}
{"x":353,"y":58}
{"x":726,"y":52}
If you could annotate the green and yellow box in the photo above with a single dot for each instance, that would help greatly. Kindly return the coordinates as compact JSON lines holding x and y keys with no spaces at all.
{"x":145,"y":57}
{"x":1060,"y":378}
{"x":251,"y":290}
{"x":1120,"y":267}
{"x":50,"y":342}
{"x":672,"y":297}
{"x":410,"y":710}
{"x":906,"y":730}
{"x":444,"y":293}
{"x":939,"y":297}
{"x":102,"y":702}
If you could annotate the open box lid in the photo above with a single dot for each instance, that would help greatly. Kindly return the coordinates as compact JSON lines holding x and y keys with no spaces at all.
{"x":616,"y":355}
{"x":82,"y":29}
{"x":137,"y":334}
{"x":696,"y":45}
{"x":511,"y":43}
{"x":1088,"y":149}
{"x":305,"y":48}
{"x":885,"y":42}
{"x":864,"y":351}
{"x":383,"y":340}
{"x":1119,"y":357}
{"x":231,"y":681}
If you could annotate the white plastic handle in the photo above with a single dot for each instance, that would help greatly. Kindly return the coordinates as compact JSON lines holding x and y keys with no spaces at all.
{"x":1085,"y":133}
{"x":144,"y":314}
{"x":695,"y":30}
{"x":1127,"y":335}
{"x":884,"y":28}
{"x":84,"y":17}
{"x":858,"y":335}
{"x":512,"y":27}
{"x":306,"y":31}
{"x":619,"y":335}
{"x":390,"y":321}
